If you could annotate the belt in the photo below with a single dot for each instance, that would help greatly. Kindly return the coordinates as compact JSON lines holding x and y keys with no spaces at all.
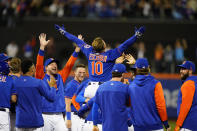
{"x":52,"y":113}
{"x":4,"y":109}
{"x":95,"y":83}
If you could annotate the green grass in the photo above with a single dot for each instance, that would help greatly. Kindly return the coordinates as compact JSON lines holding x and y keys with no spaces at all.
{"x":172,"y":123}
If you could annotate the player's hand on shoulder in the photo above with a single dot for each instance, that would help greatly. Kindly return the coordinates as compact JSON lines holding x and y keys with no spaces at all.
{"x":139,"y":32}
{"x":95,"y":128}
{"x":52,"y":82}
{"x":68,"y":123}
{"x":43,"y":41}
{"x":120,"y":59}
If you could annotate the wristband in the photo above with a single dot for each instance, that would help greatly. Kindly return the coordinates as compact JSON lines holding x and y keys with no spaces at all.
{"x":165,"y":123}
{"x":75,"y":54}
{"x":68,"y":115}
{"x":41,"y":52}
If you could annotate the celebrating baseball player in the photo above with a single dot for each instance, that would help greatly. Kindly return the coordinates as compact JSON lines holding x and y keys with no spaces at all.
{"x":7,"y":93}
{"x":30,"y":92}
{"x":187,"y":99}
{"x":147,"y":100}
{"x":112,"y":98}
{"x":70,"y":89}
{"x":52,"y":111}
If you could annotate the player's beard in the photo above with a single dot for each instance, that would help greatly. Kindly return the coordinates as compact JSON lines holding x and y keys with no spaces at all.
{"x":184,"y":76}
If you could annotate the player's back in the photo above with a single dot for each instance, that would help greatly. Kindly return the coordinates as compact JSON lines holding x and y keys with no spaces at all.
{"x":6,"y":87}
{"x":142,"y":93}
{"x":29,"y":92}
{"x":100,"y":64}
{"x":112,"y":98}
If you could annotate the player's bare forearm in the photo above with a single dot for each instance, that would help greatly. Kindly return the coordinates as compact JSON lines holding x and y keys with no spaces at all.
{"x":68,"y":104}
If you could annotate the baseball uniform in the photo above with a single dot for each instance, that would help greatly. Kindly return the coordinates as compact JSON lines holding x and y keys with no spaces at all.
{"x":52,"y":111}
{"x":30,"y":92}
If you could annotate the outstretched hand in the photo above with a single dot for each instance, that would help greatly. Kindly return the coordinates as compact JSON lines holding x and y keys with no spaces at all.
{"x":139,"y":32}
{"x":131,"y":60}
{"x":43,"y":41}
{"x":60,"y":29}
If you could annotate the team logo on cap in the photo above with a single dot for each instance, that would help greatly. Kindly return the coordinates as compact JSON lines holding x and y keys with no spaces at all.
{"x":184,"y":62}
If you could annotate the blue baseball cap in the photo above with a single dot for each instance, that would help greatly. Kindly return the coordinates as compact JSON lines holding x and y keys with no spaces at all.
{"x":188,"y":65}
{"x":4,"y":57}
{"x":141,"y":63}
{"x":50,"y":60}
{"x":119,"y":68}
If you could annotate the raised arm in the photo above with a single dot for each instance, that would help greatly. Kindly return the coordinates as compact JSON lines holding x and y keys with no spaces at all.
{"x":71,"y":37}
{"x":138,"y":34}
{"x":68,"y":67}
{"x":40,"y":58}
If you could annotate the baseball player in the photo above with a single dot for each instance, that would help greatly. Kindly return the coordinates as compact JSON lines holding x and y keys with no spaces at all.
{"x":100,"y":63}
{"x":15,"y":73}
{"x":7,"y":94}
{"x":29,"y":92}
{"x":112,"y":98}
{"x":70,"y":89}
{"x":4,"y":57}
{"x":147,"y":100}
{"x":187,"y":99}
{"x":52,"y":111}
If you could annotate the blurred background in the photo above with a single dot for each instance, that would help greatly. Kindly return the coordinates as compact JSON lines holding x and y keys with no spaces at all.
{"x":170,"y":37}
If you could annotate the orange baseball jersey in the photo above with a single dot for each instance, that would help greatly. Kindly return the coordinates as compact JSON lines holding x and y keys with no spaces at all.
{"x":187,"y":104}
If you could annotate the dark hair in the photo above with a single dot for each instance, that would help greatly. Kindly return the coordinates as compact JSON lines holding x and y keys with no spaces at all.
{"x":26,"y":65}
{"x":15,"y":65}
{"x":116,"y":74}
{"x":80,"y":66}
{"x":98,"y":44}
{"x":145,"y":71}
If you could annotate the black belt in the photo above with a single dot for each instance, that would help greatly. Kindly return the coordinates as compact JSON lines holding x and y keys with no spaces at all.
{"x":99,"y":83}
{"x":2,"y":109}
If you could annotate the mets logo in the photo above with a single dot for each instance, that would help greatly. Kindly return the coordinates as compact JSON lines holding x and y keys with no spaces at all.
{"x":184,"y":62}
{"x":87,"y":46}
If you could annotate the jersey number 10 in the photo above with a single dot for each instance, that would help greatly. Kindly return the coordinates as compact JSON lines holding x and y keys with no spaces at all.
{"x":97,"y":68}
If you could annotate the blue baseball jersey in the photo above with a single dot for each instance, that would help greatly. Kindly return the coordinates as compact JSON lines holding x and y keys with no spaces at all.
{"x":100,"y":64}
{"x":112,"y":98}
{"x":6,"y":90}
{"x":30,"y":92}
{"x":70,"y":89}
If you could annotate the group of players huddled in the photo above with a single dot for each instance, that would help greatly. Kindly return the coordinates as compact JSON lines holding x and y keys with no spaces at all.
{"x":105,"y":101}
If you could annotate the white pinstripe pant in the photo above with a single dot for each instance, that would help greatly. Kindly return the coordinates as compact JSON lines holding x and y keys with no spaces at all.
{"x":4,"y":121}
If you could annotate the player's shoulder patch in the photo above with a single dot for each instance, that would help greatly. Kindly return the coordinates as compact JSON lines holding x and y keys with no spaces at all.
{"x":87,"y":46}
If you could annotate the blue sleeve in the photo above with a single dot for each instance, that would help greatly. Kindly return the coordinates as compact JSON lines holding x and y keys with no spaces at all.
{"x":95,"y":114}
{"x":75,"y":54}
{"x":73,"y":38}
{"x":127,"y":43}
{"x":41,"y":52}
{"x":69,"y":90}
{"x":13,"y":89}
{"x":82,"y":86}
{"x":47,"y":93}
{"x":85,"y":48}
{"x":113,"y":54}
{"x":80,"y":97}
